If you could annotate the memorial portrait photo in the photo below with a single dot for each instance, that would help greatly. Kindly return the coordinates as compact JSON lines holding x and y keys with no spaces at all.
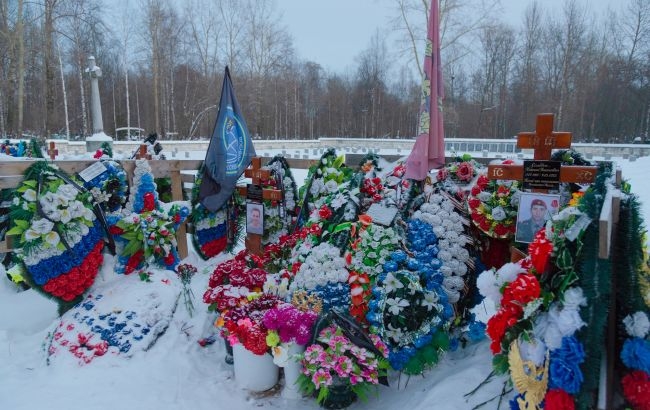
{"x":255,"y":218}
{"x":534,"y":210}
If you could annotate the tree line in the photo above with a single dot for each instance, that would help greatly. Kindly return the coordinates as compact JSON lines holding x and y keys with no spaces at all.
{"x":162,"y":66}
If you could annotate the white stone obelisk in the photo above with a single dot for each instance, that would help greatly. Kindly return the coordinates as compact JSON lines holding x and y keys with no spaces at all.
{"x":95,"y":141}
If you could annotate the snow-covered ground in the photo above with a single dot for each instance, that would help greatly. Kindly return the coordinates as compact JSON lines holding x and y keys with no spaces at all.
{"x":177,"y":373}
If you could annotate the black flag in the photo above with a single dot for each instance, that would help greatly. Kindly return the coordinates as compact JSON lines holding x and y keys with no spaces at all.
{"x":229,"y":153}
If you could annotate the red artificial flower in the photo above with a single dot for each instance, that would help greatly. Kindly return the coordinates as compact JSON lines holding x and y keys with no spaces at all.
{"x":98,"y":154}
{"x":324,"y":212}
{"x":482,"y":182}
{"x":465,"y":171}
{"x":474,"y":203}
{"x":540,"y":251}
{"x":485,"y":225}
{"x":558,"y":399}
{"x":115,"y":230}
{"x":525,"y":288}
{"x":503,"y":191}
{"x":636,"y":389}
{"x":442,"y":174}
{"x":496,"y":329}
{"x":475,"y":190}
{"x":501,"y":230}
{"x":149,"y":202}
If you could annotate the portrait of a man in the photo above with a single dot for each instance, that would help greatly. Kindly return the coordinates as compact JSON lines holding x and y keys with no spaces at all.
{"x":255,"y":218}
{"x":534,"y":211}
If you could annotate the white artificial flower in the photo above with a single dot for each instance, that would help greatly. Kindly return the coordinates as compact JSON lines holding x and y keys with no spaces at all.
{"x":391,"y":283}
{"x":484,"y":196}
{"x":67,"y":192}
{"x":42,"y":226}
{"x":393,"y":333}
{"x":430,"y":300}
{"x":31,"y":234}
{"x":16,"y":201}
{"x":498,"y":213}
{"x":65,"y":216}
{"x":488,"y":287}
{"x":331,"y":186}
{"x":396,"y":305}
{"x":637,"y":324}
{"x":52,"y":238}
{"x":533,"y":350}
{"x":573,"y":298}
{"x":280,"y":355}
{"x":29,"y":195}
{"x":338,"y":201}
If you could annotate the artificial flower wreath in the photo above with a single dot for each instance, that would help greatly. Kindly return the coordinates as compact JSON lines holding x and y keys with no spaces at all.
{"x":279,"y":215}
{"x":60,"y":236}
{"x":215,"y":232}
{"x":493,"y":206}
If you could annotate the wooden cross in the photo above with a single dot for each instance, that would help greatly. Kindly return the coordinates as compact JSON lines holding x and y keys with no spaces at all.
{"x":52,"y":151}
{"x":254,"y":241}
{"x":143,"y":152}
{"x":543,"y":141}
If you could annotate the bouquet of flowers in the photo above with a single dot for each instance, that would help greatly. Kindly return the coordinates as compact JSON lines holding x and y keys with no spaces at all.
{"x":287,"y":324}
{"x":493,"y":206}
{"x":245,"y":324}
{"x":457,"y":175}
{"x":334,"y":360}
{"x":185,"y":272}
{"x":324,"y":273}
{"x":233,"y":281}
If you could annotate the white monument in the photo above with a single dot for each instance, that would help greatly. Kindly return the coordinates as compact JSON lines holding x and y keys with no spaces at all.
{"x":95,"y":141}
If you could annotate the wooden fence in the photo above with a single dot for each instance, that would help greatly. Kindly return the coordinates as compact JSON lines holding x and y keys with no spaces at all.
{"x":180,"y":171}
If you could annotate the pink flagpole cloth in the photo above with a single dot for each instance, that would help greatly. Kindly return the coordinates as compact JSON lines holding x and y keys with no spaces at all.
{"x":429,"y":148}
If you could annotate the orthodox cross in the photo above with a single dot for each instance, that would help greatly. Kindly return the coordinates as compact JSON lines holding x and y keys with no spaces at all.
{"x":52,"y":151}
{"x":541,"y":174}
{"x":255,"y":193}
{"x":142,"y":152}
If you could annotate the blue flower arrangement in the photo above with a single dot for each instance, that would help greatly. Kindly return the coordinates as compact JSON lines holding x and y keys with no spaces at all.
{"x":409,"y":308}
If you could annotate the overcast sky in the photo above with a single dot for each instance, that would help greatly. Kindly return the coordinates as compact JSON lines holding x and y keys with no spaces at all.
{"x":333,"y":32}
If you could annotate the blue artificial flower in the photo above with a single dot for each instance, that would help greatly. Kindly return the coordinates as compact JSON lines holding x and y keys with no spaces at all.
{"x":571,"y":350}
{"x":413,"y":264}
{"x":398,"y":256}
{"x":453,"y":344}
{"x":476,"y":331}
{"x":390,"y":266}
{"x":422,"y":341}
{"x":435,"y":263}
{"x":636,"y":354}
{"x":564,"y":366}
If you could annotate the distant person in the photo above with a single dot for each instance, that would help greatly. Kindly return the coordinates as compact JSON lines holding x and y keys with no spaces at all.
{"x":527,"y":229}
